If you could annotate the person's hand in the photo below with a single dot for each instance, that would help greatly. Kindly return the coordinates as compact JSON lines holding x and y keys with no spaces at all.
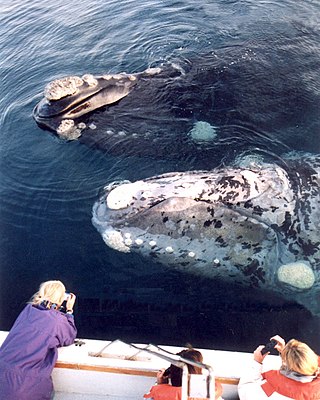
{"x":280,"y":343}
{"x":70,"y":301}
{"x":160,"y":377}
{"x":257,"y":356}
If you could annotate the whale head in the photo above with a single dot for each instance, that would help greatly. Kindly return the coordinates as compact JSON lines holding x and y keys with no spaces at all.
{"x":238,"y":224}
{"x":67,"y":99}
{"x":202,"y":221}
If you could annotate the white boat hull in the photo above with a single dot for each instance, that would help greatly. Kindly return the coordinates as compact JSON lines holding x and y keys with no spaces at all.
{"x":118,"y":372}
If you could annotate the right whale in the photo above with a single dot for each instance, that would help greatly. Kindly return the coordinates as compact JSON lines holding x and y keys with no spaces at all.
{"x":257,"y":225}
{"x":228,"y":100}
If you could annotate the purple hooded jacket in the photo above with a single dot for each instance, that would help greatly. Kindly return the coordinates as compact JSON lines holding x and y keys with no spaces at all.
{"x":29,"y":353}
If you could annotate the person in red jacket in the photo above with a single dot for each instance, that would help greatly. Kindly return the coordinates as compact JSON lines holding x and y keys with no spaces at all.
{"x":298,"y":378}
{"x":163,"y":390}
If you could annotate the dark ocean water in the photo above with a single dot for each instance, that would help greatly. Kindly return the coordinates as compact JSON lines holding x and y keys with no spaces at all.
{"x":48,"y":186}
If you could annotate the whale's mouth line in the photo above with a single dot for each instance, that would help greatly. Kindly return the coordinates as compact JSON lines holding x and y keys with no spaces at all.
{"x":70,"y":110}
{"x":118,"y":218}
{"x":70,"y":113}
{"x":129,"y":210}
{"x":67,"y":99}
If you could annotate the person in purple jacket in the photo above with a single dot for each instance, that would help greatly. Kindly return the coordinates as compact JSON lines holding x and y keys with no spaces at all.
{"x":29,"y":353}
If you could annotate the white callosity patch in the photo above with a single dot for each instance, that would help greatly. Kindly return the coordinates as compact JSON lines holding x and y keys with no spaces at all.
{"x":60,"y":88}
{"x":115,"y":240}
{"x":118,"y":76}
{"x":122,"y":196}
{"x":68,"y":130}
{"x":203,"y":132}
{"x":113,"y":185}
{"x":297,"y":274}
{"x":153,"y":71}
{"x":108,"y":77}
{"x":90,"y":80}
{"x":128,"y":242}
{"x":82,"y":125}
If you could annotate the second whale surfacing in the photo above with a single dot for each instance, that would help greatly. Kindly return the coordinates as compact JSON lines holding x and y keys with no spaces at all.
{"x":257,"y":225}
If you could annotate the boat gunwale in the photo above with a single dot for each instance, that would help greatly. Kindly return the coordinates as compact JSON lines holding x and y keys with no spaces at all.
{"x":128,"y":371}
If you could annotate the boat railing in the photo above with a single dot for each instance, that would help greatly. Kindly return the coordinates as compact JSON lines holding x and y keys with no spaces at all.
{"x":193,"y":386}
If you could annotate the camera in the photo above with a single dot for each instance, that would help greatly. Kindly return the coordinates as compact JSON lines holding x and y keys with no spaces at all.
{"x":63,"y":307}
{"x":66,"y":296}
{"x":269,"y":346}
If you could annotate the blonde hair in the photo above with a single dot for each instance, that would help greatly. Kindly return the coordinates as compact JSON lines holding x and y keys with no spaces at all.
{"x":52,"y":291}
{"x":299,"y":357}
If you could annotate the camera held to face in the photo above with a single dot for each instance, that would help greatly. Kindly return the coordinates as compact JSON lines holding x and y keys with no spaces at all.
{"x":269,"y":346}
{"x":63,"y":307}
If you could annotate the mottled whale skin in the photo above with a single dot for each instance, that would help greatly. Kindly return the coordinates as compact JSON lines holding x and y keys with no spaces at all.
{"x":237,"y":92}
{"x":257,"y":225}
